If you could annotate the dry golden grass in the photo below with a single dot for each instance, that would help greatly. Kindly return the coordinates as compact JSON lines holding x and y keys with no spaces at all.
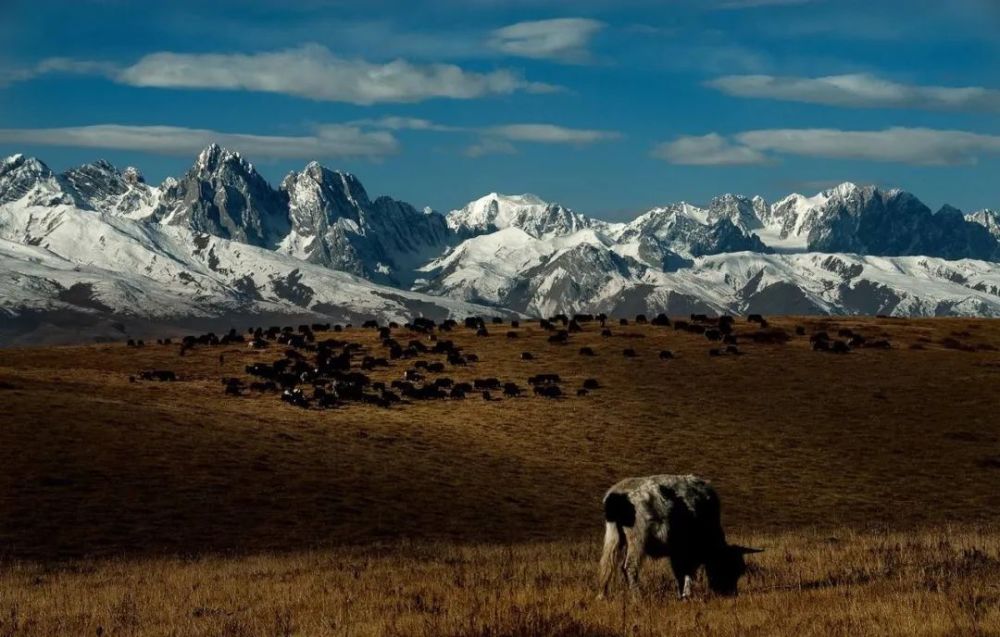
{"x":169,"y":509}
{"x":843,"y":584}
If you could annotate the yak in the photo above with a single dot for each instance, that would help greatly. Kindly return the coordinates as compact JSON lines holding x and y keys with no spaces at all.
{"x":511,"y":390}
{"x":673,"y":516}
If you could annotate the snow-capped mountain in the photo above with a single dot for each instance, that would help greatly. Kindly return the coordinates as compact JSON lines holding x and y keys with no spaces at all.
{"x":105,"y":189}
{"x":584,"y":273}
{"x":65,"y":260}
{"x":511,"y":268}
{"x":872,"y":221}
{"x":689,"y":231}
{"x":96,"y":245}
{"x":747,"y":214}
{"x":334,"y":223}
{"x":224,"y":195}
{"x":989,"y":219}
{"x":527,"y":212}
{"x":29,"y":180}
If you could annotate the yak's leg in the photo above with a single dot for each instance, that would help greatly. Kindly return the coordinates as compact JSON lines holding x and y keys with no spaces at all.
{"x":611,"y":557}
{"x":682,"y":573}
{"x":633,"y":561}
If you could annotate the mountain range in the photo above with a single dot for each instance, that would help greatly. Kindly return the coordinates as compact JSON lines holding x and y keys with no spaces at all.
{"x":97,"y":252}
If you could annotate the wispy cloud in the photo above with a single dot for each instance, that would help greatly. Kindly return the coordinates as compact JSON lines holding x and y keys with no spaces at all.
{"x":313,"y":72}
{"x":367,"y":138}
{"x":915,"y":146}
{"x":490,"y":146}
{"x":310,"y":71}
{"x":707,"y":150}
{"x":397,"y":123}
{"x":859,"y":91}
{"x":326,"y":141}
{"x":919,"y":146}
{"x":10,"y":75}
{"x":494,"y":140}
{"x":497,"y":140}
{"x":550,"y":134}
{"x":560,"y":39}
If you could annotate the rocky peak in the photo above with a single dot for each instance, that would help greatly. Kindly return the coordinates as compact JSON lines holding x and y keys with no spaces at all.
{"x":743,"y":212}
{"x":527,"y":212}
{"x":869,"y":220}
{"x":99,"y":177}
{"x":224,"y":195}
{"x":22,"y":167}
{"x":132,"y":176}
{"x":342,"y":192}
{"x":989,"y":219}
{"x":212,"y":156}
{"x":334,"y":222}
{"x":23,"y":177}
{"x":103,"y":188}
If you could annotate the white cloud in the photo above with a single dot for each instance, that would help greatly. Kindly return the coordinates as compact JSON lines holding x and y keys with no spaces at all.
{"x":56,"y":65}
{"x":327,"y":141}
{"x":368,"y":138}
{"x":920,"y":146}
{"x":80,"y":67}
{"x":550,"y":134}
{"x":707,"y":150}
{"x":560,"y":39}
{"x":313,"y":72}
{"x":916,"y":146}
{"x":407,"y":123}
{"x":490,"y":146}
{"x":859,"y":90}
{"x":494,"y":140}
{"x":310,"y":71}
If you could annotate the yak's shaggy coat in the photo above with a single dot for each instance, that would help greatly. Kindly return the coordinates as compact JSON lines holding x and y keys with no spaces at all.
{"x":668,"y":516}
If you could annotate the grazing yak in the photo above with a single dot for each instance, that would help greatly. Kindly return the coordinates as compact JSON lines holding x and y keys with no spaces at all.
{"x":669,"y":516}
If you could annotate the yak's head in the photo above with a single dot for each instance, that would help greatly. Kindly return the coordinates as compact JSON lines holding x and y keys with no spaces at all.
{"x":726,"y":567}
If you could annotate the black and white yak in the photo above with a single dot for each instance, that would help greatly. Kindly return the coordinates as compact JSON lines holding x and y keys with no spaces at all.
{"x":669,"y":516}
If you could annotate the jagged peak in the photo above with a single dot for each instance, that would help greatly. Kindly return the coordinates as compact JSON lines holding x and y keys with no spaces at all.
{"x":845,"y":188}
{"x":318,"y":171}
{"x":99,"y":165}
{"x":948,"y":209}
{"x":209,"y":154}
{"x":523,"y":199}
{"x":317,"y":176}
{"x":214,"y":156}
{"x":729,"y":196}
{"x":19,"y":160}
{"x":133,"y":175}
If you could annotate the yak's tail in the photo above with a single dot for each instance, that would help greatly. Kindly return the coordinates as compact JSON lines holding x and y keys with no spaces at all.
{"x":619,"y":512}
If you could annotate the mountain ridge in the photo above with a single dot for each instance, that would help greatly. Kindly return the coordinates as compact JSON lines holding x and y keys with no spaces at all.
{"x":222,"y":240}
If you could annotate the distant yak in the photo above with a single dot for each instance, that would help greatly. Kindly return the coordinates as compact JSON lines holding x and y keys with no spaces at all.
{"x":669,"y":516}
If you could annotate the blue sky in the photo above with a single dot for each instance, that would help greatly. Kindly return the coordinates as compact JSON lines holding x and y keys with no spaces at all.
{"x":608,"y":106}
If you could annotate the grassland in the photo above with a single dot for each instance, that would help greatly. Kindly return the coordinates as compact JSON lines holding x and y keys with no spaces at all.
{"x":872,"y":478}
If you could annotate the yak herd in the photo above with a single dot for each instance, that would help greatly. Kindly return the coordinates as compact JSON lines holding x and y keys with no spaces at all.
{"x":319,"y":368}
